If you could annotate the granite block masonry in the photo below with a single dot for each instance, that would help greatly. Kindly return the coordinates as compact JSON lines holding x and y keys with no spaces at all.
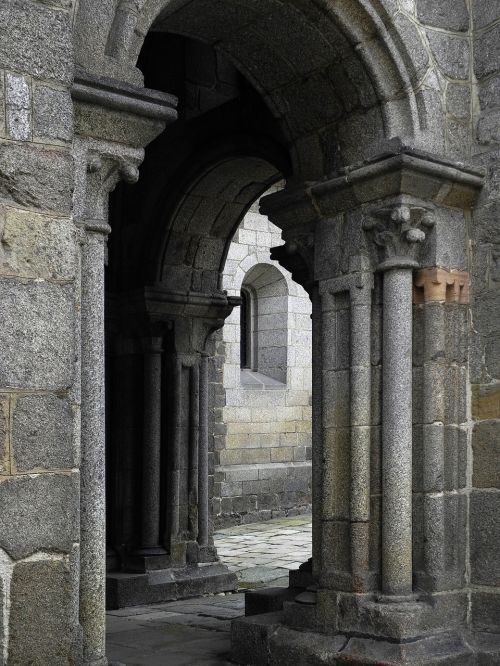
{"x":122,"y":184}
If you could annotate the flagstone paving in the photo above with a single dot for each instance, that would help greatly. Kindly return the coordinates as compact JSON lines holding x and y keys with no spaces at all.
{"x":195,"y":632}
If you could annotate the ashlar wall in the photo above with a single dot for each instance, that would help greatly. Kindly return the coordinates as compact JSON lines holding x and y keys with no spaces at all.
{"x":264,"y":447}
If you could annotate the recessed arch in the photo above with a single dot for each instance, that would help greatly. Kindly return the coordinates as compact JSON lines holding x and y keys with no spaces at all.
{"x":357,"y":87}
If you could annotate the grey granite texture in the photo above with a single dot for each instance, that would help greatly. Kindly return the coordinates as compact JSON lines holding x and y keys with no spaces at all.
{"x":40,"y":629}
{"x":38,"y":512}
{"x":42,"y":431}
{"x":37,"y":336}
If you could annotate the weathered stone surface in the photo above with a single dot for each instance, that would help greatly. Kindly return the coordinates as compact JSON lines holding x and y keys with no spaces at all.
{"x":487,"y":52}
{"x":38,"y":246}
{"x":486,"y":401}
{"x":48,"y":33}
{"x":484,"y":537}
{"x":36,"y":177}
{"x":489,"y":93}
{"x":53,"y":114}
{"x":447,"y":14}
{"x":451,"y":53}
{"x":4,"y":433}
{"x":42,"y":433}
{"x":18,"y":106}
{"x":37,"y":335}
{"x":38,"y":512}
{"x":486,"y":447}
{"x":40,"y":629}
{"x":484,"y":12}
{"x":485,"y":611}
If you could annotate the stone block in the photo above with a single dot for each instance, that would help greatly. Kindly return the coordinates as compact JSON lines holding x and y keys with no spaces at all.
{"x":37,"y":335}
{"x":446,"y":14}
{"x":455,"y":457}
{"x":38,"y":512}
{"x":42,"y":433}
{"x":4,"y":433}
{"x":38,"y":246}
{"x":48,"y":33}
{"x":485,"y":537}
{"x":52,"y":114}
{"x":485,"y":611}
{"x":484,"y":12}
{"x":18,"y":106}
{"x":36,"y":177}
{"x":487,"y":52}
{"x":282,"y":454}
{"x":458,"y":100}
{"x":486,"y":401}
{"x":2,"y":103}
{"x":41,"y":613}
{"x":250,"y":636}
{"x":451,"y":53}
{"x":486,"y":448}
{"x":336,"y":475}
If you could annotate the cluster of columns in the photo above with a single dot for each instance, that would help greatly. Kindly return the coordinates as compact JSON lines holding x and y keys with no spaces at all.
{"x":372,"y":232}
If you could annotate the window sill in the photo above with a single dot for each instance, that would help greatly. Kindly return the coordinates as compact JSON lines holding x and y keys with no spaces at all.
{"x":256,"y":381}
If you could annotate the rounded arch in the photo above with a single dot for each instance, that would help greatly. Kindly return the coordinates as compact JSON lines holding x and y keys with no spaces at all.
{"x":356,"y":87}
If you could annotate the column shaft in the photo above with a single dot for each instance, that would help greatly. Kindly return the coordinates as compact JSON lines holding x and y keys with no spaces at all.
{"x":174,"y":459}
{"x":194,"y":433}
{"x":92,"y":468}
{"x":397,"y":434}
{"x":151,"y":451}
{"x":203,"y":455}
{"x":360,"y":439}
{"x":317,"y":431}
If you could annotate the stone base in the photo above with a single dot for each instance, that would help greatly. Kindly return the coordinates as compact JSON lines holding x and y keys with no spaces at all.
{"x":263,"y":640}
{"x":268,"y":600}
{"x":139,"y":589}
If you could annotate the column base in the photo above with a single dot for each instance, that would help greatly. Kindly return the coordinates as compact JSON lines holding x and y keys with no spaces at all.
{"x":152,"y":587}
{"x":265,"y":640}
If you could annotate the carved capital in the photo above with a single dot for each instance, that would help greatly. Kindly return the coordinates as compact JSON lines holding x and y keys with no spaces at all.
{"x":100,"y":168}
{"x":441,"y":285}
{"x":397,"y":231}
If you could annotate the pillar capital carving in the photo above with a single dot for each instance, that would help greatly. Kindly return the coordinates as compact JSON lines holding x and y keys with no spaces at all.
{"x":297,"y":256}
{"x":100,"y":167}
{"x":441,"y":285}
{"x":398,"y":230}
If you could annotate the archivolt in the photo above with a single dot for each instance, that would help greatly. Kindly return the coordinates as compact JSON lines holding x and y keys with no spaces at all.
{"x":336,"y":73}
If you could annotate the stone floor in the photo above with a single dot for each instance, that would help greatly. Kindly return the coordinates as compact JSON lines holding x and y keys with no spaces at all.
{"x":195,"y":632}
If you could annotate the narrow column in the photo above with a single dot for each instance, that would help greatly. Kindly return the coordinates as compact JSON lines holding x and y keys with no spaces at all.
{"x":360,"y":431}
{"x":397,"y":434}
{"x":92,"y":468}
{"x":175,"y":453}
{"x":151,"y":449}
{"x":317,"y":431}
{"x":397,"y":233}
{"x":194,"y":433}
{"x":203,"y":455}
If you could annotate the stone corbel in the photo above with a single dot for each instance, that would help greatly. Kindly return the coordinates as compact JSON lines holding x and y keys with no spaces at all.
{"x":441,"y":285}
{"x":297,"y":256}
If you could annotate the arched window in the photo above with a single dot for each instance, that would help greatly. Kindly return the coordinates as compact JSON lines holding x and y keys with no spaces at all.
{"x":264,"y":322}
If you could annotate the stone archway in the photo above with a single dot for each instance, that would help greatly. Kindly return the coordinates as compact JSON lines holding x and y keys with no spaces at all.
{"x":350,"y":179}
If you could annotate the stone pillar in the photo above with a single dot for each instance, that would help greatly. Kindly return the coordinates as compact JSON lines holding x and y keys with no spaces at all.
{"x":392,"y":563}
{"x":151,"y":470}
{"x":398,"y":235}
{"x":203,"y":499}
{"x":101,"y":176}
{"x":92,"y":473}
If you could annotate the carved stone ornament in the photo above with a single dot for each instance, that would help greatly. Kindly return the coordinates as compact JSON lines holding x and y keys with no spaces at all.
{"x":397,"y":230}
{"x":297,"y":256}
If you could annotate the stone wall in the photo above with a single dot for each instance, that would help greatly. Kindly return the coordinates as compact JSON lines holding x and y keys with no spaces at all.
{"x":264,"y":445}
{"x":39,"y":296}
{"x":485,"y":326}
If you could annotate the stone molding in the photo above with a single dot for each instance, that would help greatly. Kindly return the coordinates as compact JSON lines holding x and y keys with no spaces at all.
{"x":115,"y":111}
{"x":441,"y":285}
